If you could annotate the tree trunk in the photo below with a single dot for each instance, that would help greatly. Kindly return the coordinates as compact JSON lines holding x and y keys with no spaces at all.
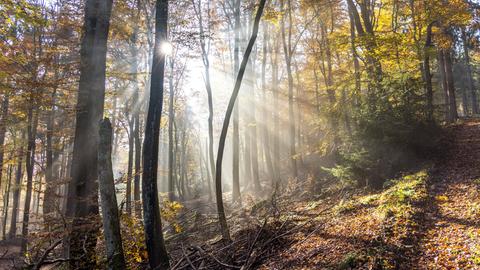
{"x":265,"y":112}
{"x":138,"y":154}
{"x":6,"y":201}
{"x":171,"y":119}
{"x":29,"y":164}
{"x":356,"y":63}
{"x":17,"y":190}
{"x":428,"y":74}
{"x":287,"y":49}
{"x":111,"y":220}
{"x":3,"y":129}
{"x":451,"y":86}
{"x":82,"y":200}
{"x":470,"y":82}
{"x":276,"y":115}
{"x":157,"y":252}
{"x":221,"y":145}
{"x":128,"y":193}
{"x":49,"y":196}
{"x":443,"y":78}
{"x":236,"y":196}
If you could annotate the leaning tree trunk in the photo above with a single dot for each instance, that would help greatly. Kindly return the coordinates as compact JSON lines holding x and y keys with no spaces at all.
{"x":111,"y":220}
{"x":223,"y":136}
{"x":82,"y":200}
{"x":157,"y":252}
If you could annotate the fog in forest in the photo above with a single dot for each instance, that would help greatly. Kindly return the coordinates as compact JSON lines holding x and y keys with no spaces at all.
{"x":239,"y":134}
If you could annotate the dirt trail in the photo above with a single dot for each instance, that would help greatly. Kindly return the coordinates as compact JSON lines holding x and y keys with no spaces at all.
{"x":450,"y":226}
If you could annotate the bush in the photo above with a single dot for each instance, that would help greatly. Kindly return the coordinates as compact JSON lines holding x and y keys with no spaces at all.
{"x":388,"y":139}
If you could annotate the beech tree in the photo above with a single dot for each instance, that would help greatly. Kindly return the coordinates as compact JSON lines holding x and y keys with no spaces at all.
{"x":157,"y":253}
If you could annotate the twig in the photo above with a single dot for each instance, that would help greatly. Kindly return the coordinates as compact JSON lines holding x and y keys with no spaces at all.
{"x":246,"y":265}
{"x":188,"y":258}
{"x":38,"y":265}
{"x":213,"y":257}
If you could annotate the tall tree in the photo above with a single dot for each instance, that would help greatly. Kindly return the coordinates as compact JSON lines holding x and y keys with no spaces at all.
{"x":236,"y":196}
{"x":157,"y":252}
{"x":82,"y":201}
{"x":288,"y":53}
{"x":226,"y":122}
{"x":111,"y":220}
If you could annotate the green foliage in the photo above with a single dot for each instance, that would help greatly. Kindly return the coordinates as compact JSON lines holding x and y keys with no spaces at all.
{"x":351,"y":260}
{"x":388,"y":140}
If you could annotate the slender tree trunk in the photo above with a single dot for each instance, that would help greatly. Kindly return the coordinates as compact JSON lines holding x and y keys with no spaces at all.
{"x":356,"y":63}
{"x":49,"y":196}
{"x":470,"y":82}
{"x":252,"y":129}
{"x":223,"y":136}
{"x":136,"y":115}
{"x":428,"y":74}
{"x":157,"y":252}
{"x":266,"y":113}
{"x":131,"y":141}
{"x":451,"y":86}
{"x":82,"y":200}
{"x":276,"y":115}
{"x":29,"y":164}
{"x":17,"y":190}
{"x":443,"y":77}
{"x":287,"y":48}
{"x":3,"y":129}
{"x":138,"y":154}
{"x":6,"y":201}
{"x":171,"y":119}
{"x":236,"y":196}
{"x":111,"y":220}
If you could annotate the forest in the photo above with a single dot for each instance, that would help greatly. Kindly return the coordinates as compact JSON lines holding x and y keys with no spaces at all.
{"x":239,"y":134}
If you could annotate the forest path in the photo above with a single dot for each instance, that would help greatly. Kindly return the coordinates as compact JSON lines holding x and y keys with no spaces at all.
{"x":450,"y":224}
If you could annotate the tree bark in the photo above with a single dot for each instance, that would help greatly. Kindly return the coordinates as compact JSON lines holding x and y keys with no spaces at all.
{"x":111,"y":220}
{"x":82,"y":200}
{"x":157,"y":252}
{"x":29,"y":165}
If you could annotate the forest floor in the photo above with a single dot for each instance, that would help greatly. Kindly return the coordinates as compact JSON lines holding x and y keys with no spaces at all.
{"x":426,"y":219}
